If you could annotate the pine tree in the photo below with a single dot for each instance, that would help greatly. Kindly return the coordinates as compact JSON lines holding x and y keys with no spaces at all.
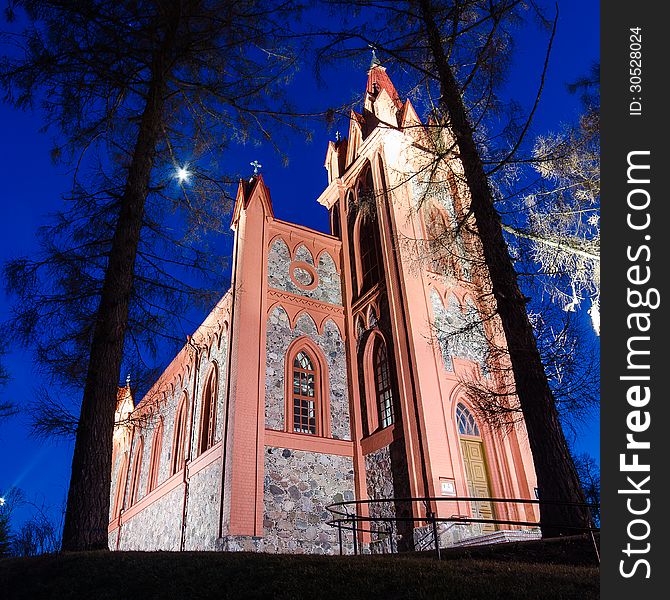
{"x":130,"y":87}
{"x":5,"y":535}
{"x":460,"y":51}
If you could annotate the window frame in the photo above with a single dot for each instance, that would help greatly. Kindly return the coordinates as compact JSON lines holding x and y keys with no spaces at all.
{"x":365,"y":183}
{"x":135,"y":472}
{"x":121,"y":481}
{"x":370,"y":272}
{"x":471,"y":421}
{"x":384,"y":395}
{"x":178,"y":455}
{"x":304,"y":369}
{"x":321,"y":387}
{"x":372,"y":404}
{"x":155,"y":457}
{"x":209,"y":399}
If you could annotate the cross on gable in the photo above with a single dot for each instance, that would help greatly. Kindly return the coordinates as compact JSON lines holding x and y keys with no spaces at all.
{"x":256,"y":165}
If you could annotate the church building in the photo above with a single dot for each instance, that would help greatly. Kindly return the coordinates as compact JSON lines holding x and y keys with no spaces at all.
{"x":336,"y":368}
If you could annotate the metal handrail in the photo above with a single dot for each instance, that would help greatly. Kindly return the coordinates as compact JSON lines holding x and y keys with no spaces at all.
{"x":348,"y":521}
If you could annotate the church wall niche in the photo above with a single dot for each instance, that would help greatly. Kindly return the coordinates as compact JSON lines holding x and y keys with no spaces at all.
{"x":280,"y":335}
{"x":298,"y":486}
{"x":281,"y":267}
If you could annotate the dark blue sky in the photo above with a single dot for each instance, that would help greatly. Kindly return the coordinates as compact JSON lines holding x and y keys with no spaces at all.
{"x":32,"y":186}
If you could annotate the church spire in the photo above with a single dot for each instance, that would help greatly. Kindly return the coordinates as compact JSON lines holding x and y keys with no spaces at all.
{"x":375,"y":62}
{"x":378,"y":80}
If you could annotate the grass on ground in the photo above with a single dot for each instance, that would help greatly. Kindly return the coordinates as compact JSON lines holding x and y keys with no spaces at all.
{"x":472,"y":574}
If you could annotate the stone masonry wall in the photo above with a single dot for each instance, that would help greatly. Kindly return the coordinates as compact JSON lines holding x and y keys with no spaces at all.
{"x":329,"y":285}
{"x":279,"y":337}
{"x":202,"y":517}
{"x":297,"y":488}
{"x":459,"y":333}
{"x":111,"y":539}
{"x":157,"y":527}
{"x":204,"y":486}
{"x":379,"y":484}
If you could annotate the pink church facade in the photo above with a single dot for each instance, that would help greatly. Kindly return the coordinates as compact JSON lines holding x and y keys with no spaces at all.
{"x":321,"y":375}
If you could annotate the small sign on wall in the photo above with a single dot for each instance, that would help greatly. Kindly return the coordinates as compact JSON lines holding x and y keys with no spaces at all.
{"x":447,"y":486}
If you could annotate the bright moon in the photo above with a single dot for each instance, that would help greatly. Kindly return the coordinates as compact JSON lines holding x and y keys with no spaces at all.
{"x":183,"y":174}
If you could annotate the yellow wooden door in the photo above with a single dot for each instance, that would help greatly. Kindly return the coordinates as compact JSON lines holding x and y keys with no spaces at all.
{"x":478,"y":480}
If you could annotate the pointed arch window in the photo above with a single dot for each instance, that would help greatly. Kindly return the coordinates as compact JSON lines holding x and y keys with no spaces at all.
{"x":133,"y":495}
{"x":364,"y":234}
{"x":208,"y":411}
{"x":335,"y":226}
{"x":383,"y":386}
{"x":307,"y":389}
{"x":154,"y":461}
{"x":305,"y":399}
{"x":121,"y":480}
{"x":465,"y":421}
{"x":179,"y":439}
{"x":379,"y":380}
{"x":370,"y":252}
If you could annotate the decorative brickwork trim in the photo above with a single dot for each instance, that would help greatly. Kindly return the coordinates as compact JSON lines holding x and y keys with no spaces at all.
{"x":204,"y":460}
{"x":308,"y":443}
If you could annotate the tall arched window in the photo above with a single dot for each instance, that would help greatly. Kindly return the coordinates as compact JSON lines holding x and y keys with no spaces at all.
{"x":179,"y":440}
{"x":383,"y":386}
{"x":208,"y":411}
{"x":133,"y":495}
{"x":307,"y":389}
{"x":154,"y":461}
{"x":121,"y":480}
{"x":364,"y":235}
{"x":304,"y":394}
{"x":370,"y":251}
{"x":465,"y":421}
{"x":335,"y":227}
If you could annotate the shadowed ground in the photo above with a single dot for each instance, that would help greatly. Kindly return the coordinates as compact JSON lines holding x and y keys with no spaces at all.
{"x":528,"y":570}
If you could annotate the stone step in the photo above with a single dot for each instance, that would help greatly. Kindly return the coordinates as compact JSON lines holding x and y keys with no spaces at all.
{"x":500,"y":537}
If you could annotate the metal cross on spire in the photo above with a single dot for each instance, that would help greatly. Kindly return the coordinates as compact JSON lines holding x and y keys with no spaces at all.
{"x":256,"y":165}
{"x":375,"y":62}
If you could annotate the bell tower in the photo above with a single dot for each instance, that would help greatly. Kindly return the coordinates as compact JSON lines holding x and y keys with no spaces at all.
{"x":414,"y":325}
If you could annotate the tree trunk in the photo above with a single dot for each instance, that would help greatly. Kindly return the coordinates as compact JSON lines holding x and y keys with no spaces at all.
{"x":556,"y":474}
{"x":87,"y":512}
